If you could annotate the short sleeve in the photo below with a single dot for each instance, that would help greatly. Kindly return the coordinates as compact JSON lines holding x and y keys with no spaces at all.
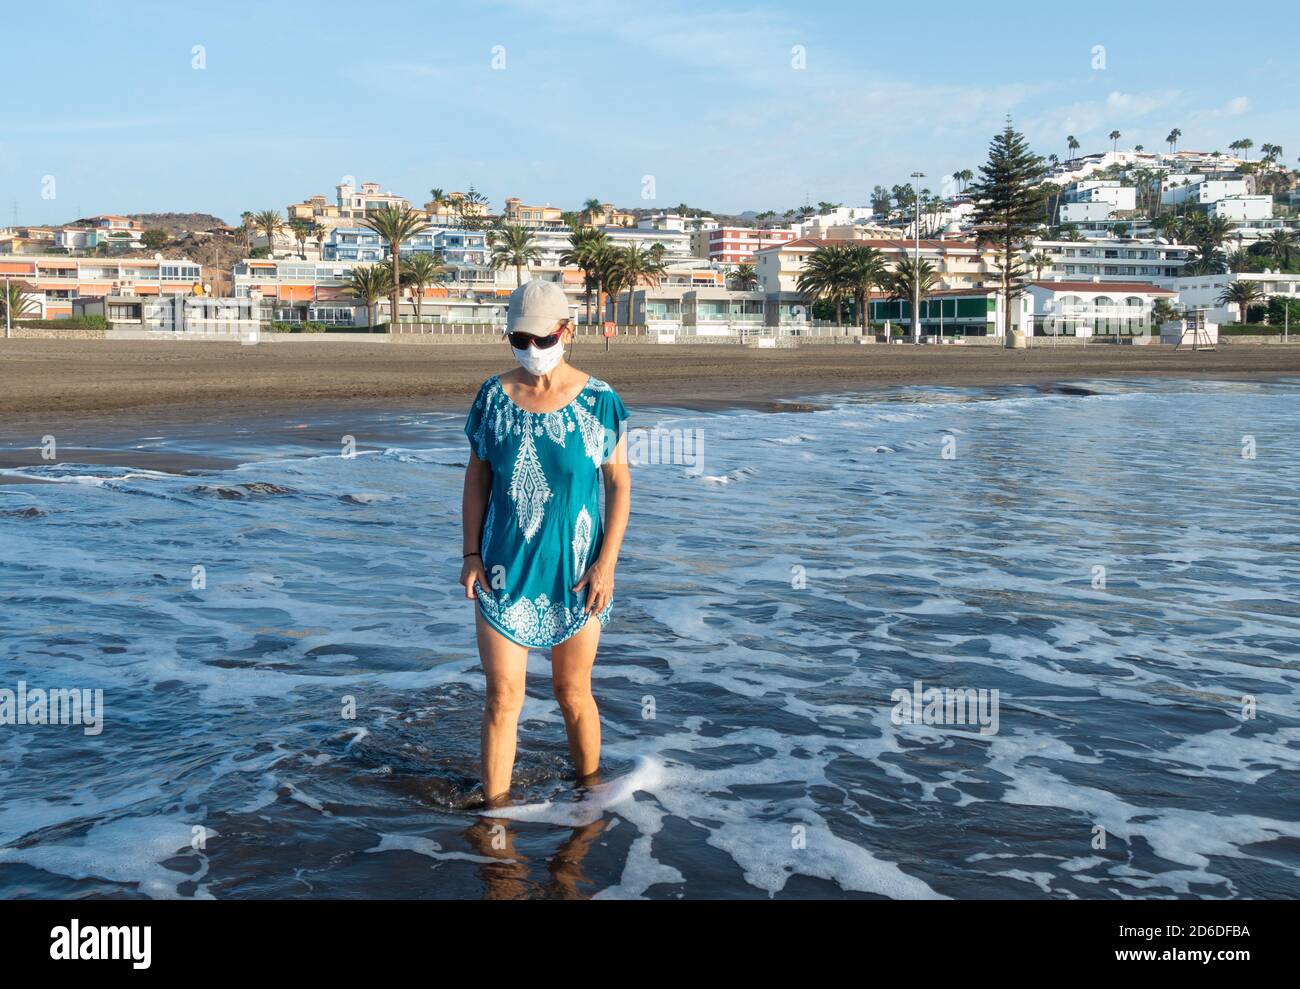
{"x":475,"y":423}
{"x":613,"y":416}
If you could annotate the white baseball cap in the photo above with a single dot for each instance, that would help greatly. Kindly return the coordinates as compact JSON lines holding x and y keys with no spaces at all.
{"x":535,"y":308}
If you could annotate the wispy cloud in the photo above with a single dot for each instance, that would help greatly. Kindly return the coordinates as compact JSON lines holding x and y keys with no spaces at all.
{"x":55,"y":127}
{"x":1115,"y":111}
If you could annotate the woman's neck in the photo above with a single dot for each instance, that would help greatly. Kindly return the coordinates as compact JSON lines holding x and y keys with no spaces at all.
{"x":553,"y":378}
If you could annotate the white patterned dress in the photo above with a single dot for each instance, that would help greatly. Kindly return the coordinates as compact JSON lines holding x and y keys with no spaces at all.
{"x":542,"y":528}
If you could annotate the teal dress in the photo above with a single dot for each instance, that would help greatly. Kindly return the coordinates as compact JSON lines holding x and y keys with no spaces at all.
{"x":542,"y":528}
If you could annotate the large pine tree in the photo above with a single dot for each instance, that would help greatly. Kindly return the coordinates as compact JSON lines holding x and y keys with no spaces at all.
{"x":1009,"y":199}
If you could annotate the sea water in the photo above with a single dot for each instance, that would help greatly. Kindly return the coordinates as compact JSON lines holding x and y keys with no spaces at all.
{"x":291,"y":698}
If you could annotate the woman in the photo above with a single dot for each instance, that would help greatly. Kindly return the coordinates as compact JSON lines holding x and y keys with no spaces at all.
{"x":535,"y":556}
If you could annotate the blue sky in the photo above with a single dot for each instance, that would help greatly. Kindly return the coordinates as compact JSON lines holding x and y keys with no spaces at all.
{"x":594,"y":96}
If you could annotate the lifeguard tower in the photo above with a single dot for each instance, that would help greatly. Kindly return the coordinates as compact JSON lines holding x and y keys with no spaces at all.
{"x":1191,"y":332}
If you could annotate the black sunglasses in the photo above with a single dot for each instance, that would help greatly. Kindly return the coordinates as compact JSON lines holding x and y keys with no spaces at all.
{"x":520,"y":341}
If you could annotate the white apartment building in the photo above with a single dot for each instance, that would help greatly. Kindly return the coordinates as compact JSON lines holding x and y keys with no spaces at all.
{"x":1109,"y":191}
{"x":1198,"y":189}
{"x":961,"y":264}
{"x":1087,"y":212}
{"x":1204,"y":291}
{"x":1177,"y":161}
{"x":676,"y":243}
{"x":840,"y":216}
{"x":1138,"y":228}
{"x":1096,"y":200}
{"x":54,"y":282}
{"x":1242,"y":208}
{"x":1092,"y":307}
{"x":676,"y":221}
{"x":1113,"y":259}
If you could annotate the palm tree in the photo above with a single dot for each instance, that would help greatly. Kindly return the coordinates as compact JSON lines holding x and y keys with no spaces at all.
{"x":745,"y":277}
{"x":1282,"y":244}
{"x":270,"y":223}
{"x":421,"y":270}
{"x":301,"y":231}
{"x":1163,"y":311}
{"x":15,"y":301}
{"x":1213,"y":232}
{"x":1189,"y":230}
{"x":1040,"y":260}
{"x":1240,"y":260}
{"x":1172,"y":139}
{"x":866,"y":269}
{"x":514,"y":245}
{"x":245,"y":230}
{"x":609,"y":275}
{"x":1246,"y":144}
{"x":1207,"y":260}
{"x":394,"y":224}
{"x":614,"y":277}
{"x":369,"y":282}
{"x":1072,"y":145}
{"x":913,"y":282}
{"x":1164,"y":225}
{"x":1243,"y":295}
{"x":1114,"y":137}
{"x":634,"y":267}
{"x":585,"y":250}
{"x":1070,"y":232}
{"x":437,"y":197}
{"x":320,"y":233}
{"x":964,"y":176}
{"x":825,"y":276}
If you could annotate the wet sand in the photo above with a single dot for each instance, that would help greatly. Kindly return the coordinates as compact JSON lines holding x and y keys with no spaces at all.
{"x":44,"y":378}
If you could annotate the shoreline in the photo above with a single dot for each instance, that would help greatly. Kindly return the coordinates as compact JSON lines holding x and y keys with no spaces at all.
{"x":40,"y":377}
{"x":109,"y":395}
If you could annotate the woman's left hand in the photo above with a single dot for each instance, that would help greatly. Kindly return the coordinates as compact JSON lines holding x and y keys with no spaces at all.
{"x":599,"y":582}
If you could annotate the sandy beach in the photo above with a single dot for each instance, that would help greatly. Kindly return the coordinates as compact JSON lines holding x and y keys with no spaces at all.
{"x":44,"y":382}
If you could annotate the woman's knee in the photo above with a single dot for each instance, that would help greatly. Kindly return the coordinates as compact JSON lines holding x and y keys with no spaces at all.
{"x":573,"y":697}
{"x":503,"y":703}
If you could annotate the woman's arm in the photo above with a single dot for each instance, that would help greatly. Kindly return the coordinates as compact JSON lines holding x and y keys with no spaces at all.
{"x":473,"y":506}
{"x":599,"y":578}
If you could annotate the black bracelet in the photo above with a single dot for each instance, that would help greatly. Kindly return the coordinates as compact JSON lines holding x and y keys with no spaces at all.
{"x":465,"y":556}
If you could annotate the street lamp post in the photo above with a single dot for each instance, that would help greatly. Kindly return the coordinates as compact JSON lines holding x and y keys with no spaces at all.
{"x":8,"y":320}
{"x":916,"y":261}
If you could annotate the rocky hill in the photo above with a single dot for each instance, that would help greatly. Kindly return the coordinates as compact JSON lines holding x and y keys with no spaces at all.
{"x":178,"y":223}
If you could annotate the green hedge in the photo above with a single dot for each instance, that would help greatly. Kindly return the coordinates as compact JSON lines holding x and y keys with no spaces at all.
{"x":325,"y":328}
{"x":71,"y":323}
{"x":1253,"y":330}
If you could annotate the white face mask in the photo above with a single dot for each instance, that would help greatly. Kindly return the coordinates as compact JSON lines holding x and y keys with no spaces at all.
{"x":540,"y":362}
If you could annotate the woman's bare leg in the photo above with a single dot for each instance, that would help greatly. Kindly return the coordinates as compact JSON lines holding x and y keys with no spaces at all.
{"x":505,"y":664}
{"x":571,"y":663}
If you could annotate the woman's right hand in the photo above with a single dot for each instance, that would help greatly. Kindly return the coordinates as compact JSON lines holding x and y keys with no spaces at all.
{"x":471,"y":570}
